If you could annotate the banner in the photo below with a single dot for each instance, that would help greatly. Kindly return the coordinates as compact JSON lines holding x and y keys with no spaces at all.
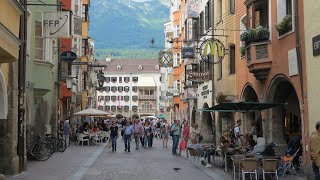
{"x":56,"y":24}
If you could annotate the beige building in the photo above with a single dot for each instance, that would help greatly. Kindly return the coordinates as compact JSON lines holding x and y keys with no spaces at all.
{"x":312,"y":51}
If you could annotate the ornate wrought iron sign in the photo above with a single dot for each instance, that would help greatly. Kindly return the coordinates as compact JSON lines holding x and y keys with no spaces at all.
{"x":165,"y":59}
{"x":211,"y":47}
{"x":198,"y":76}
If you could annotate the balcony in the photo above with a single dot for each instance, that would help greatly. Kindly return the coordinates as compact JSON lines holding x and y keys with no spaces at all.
{"x":147,"y":97}
{"x":140,"y":110}
{"x":259,"y":59}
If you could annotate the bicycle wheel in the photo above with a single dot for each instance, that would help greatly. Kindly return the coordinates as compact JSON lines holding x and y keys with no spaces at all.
{"x":61,"y":145}
{"x":42,"y":151}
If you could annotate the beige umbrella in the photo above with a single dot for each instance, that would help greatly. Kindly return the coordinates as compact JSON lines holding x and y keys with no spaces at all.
{"x":92,"y":112}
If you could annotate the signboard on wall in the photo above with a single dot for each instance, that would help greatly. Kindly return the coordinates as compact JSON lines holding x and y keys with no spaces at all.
{"x":56,"y":24}
{"x":316,"y":45}
{"x":198,"y":76}
{"x":77,"y":28}
{"x":188,"y":52}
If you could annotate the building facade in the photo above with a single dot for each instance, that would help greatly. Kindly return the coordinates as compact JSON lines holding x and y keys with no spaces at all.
{"x":131,"y":88}
{"x":10,"y":12}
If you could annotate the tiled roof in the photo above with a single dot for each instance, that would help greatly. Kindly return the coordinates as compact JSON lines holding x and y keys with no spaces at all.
{"x":131,"y":65}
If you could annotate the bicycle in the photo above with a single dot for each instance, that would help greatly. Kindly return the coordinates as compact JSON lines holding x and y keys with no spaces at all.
{"x":57,"y":143}
{"x":40,"y":150}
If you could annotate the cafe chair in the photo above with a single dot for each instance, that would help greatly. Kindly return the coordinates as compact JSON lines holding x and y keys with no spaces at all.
{"x":269,"y":166}
{"x":236,"y":163}
{"x":249,"y":166}
{"x":81,"y":139}
{"x":193,"y":155}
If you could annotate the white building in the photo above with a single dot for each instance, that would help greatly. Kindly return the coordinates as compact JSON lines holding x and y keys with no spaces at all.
{"x":131,"y":87}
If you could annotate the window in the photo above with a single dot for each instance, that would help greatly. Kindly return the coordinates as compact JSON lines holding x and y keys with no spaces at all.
{"x":134,"y":89}
{"x":107,"y":98}
{"x":126,"y":79}
{"x":135,"y":79}
{"x":120,"y":88}
{"x":113,"y":108}
{"x":38,"y":54}
{"x":201,"y":23}
{"x":107,"y":79}
{"x":232,"y":6}
{"x":232,"y":57}
{"x":108,"y":88}
{"x":120,"y":79}
{"x":85,"y":46}
{"x":208,"y":15}
{"x":114,"y":79}
{"x":219,"y":11}
{"x":261,"y":14}
{"x":195,"y":28}
{"x":178,"y":85}
{"x":220,"y":70}
{"x":134,"y":108}
{"x":175,"y":60}
{"x":121,"y":98}
{"x":85,"y":10}
{"x":126,"y":108}
{"x":113,"y":88}
{"x":126,"y":89}
{"x":134,"y":98}
{"x":119,"y":108}
{"x":107,"y":108}
{"x":289,"y":7}
{"x":126,"y":98}
{"x":113,"y":98}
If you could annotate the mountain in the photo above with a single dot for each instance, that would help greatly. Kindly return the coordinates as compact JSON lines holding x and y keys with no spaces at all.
{"x":128,"y":24}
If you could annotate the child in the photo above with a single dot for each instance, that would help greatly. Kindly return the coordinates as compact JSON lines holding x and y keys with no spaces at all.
{"x":287,"y":157}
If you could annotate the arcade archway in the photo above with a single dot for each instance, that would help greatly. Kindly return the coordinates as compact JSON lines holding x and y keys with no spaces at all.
{"x":206,"y":128}
{"x":285,"y":121}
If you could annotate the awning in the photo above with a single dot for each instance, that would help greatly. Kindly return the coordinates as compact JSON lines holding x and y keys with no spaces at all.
{"x":92,"y":112}
{"x":242,"y":107}
{"x":146,"y":82}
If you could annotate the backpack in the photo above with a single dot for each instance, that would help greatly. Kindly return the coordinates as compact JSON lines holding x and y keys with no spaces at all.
{"x":232,"y":134}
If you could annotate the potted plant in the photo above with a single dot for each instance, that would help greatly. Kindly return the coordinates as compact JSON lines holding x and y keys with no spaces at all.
{"x":255,"y":35}
{"x":285,"y":25}
{"x":262,"y":34}
{"x":242,"y":51}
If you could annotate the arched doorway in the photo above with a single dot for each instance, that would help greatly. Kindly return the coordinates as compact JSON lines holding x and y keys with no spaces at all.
{"x":3,"y":98}
{"x":225,"y":120}
{"x":206,"y":125}
{"x":250,"y":118}
{"x":285,"y":121}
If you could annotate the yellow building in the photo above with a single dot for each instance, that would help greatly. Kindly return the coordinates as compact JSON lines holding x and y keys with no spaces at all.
{"x":10,"y":12}
{"x":85,"y":52}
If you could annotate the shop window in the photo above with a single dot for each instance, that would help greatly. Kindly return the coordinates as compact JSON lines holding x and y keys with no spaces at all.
{"x":292,"y":124}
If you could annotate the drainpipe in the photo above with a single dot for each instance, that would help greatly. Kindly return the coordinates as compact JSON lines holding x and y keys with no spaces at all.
{"x":21,"y":87}
{"x":212,"y":77}
{"x":298,"y":51}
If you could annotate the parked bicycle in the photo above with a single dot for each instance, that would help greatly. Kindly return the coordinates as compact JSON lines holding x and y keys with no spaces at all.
{"x":58,"y":144}
{"x":40,"y":150}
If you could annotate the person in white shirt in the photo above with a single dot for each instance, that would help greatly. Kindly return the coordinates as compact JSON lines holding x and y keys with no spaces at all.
{"x":237,"y":133}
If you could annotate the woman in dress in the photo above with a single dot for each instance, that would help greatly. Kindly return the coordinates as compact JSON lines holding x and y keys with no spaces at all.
{"x":185,"y":137}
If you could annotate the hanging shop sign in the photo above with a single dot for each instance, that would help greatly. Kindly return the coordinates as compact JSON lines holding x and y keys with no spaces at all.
{"x":198,"y":76}
{"x":56,"y":24}
{"x":188,"y":52}
{"x":165,"y":59}
{"x":212,"y":47}
{"x":68,"y":56}
{"x":316,"y":45}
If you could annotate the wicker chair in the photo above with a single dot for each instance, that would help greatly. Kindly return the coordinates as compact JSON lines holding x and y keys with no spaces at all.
{"x":269,"y":166}
{"x":249,"y":166}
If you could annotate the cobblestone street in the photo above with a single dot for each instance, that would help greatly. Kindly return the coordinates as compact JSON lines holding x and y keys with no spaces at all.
{"x":99,"y":163}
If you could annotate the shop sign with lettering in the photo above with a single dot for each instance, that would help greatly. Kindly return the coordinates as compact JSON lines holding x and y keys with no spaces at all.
{"x":316,"y":45}
{"x":198,"y":76}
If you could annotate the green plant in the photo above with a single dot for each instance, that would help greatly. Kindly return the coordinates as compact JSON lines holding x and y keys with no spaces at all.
{"x":242,"y":51}
{"x":285,"y":25}
{"x":262,"y":34}
{"x":255,"y":35}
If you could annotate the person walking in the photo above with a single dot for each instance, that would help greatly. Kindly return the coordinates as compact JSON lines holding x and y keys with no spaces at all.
{"x":164,"y":128}
{"x":114,"y":136}
{"x":137,"y":132}
{"x":175,"y":130}
{"x":147,"y":134}
{"x":185,"y":137}
{"x":315,"y":151}
{"x":66,"y":132}
{"x":128,"y":132}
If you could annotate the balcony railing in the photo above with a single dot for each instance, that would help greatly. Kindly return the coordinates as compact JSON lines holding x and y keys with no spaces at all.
{"x":147,"y":97}
{"x":140,"y":110}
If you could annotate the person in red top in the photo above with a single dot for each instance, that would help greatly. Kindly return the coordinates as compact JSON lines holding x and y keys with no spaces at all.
{"x":185,"y":137}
